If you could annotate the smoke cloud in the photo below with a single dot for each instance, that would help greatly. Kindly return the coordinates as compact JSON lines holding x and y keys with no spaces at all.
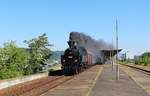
{"x":92,"y":46}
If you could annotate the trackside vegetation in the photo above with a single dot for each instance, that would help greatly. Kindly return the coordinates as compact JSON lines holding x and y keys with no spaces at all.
{"x":143,"y":59}
{"x":15,"y":61}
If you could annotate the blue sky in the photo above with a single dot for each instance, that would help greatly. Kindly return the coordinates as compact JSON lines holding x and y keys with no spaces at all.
{"x":24,"y":19}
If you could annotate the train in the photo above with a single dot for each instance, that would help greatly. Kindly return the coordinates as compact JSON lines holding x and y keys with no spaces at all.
{"x":76,"y":58}
{"x":83,"y":52}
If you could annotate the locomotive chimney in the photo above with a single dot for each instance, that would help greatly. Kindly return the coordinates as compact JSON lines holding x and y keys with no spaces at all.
{"x":71,"y":43}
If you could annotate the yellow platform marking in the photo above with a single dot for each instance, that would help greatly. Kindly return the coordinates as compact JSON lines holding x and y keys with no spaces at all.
{"x":94,"y":82}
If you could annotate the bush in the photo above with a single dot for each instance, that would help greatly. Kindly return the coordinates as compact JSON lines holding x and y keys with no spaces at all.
{"x":9,"y":73}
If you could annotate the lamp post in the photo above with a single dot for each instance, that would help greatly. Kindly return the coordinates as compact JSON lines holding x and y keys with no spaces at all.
{"x":112,"y":57}
{"x":117,"y":65}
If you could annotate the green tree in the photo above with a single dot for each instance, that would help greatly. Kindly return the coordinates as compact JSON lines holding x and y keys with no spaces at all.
{"x":12,"y":60}
{"x":39,"y":52}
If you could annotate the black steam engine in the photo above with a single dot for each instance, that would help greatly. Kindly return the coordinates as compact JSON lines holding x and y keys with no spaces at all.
{"x":75,"y":58}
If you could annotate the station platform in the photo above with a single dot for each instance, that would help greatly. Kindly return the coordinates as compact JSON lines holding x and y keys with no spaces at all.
{"x":107,"y":85}
{"x":99,"y":80}
{"x":80,"y":85}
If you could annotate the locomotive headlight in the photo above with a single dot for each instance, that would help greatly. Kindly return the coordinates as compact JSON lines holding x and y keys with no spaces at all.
{"x":75,"y":60}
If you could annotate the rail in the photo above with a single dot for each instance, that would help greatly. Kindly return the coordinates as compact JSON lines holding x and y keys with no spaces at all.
{"x":142,"y":69}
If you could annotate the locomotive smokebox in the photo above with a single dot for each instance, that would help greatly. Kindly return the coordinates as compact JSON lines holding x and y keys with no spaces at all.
{"x":71,"y":43}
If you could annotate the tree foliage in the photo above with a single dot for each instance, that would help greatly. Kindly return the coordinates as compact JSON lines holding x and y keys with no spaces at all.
{"x":39,"y":52}
{"x":15,"y":61}
{"x":12,"y":60}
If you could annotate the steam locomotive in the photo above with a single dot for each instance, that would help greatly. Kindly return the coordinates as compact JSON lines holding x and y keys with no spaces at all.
{"x":75,"y":58}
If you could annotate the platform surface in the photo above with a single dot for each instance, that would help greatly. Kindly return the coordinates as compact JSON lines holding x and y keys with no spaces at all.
{"x":100,"y":80}
{"x":80,"y":85}
{"x":141,"y":78}
{"x":107,"y":85}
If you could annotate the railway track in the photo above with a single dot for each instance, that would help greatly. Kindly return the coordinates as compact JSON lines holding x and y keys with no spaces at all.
{"x":35,"y":87}
{"x":145,"y":71}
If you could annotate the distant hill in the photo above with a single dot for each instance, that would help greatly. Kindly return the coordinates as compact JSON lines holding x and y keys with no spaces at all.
{"x":56,"y":55}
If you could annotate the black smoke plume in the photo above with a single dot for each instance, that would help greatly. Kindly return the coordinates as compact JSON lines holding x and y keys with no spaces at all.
{"x":92,"y":46}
